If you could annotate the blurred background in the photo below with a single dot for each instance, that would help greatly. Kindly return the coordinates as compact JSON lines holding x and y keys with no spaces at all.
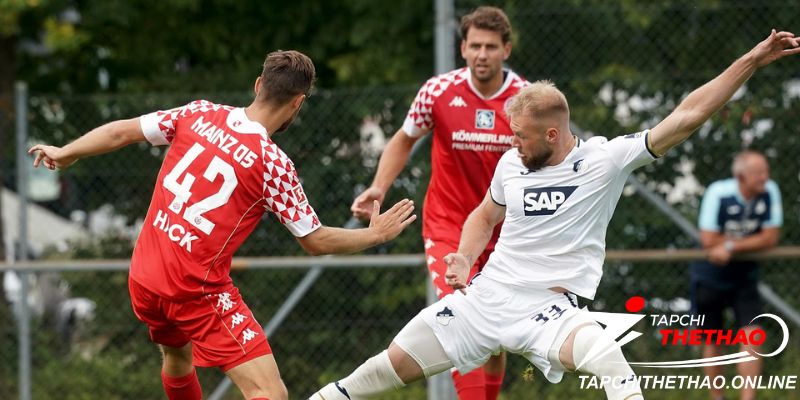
{"x":623,"y":65}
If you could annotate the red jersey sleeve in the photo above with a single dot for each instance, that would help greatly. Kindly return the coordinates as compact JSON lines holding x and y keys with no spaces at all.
{"x":159,"y":127}
{"x":419,"y":120}
{"x":284,"y":194}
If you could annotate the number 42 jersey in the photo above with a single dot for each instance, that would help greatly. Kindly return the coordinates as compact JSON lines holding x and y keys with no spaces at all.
{"x":221,"y":173}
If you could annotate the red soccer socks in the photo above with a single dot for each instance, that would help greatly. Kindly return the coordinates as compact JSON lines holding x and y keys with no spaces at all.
{"x":493,"y":384}
{"x":470,"y":386}
{"x":182,"y":387}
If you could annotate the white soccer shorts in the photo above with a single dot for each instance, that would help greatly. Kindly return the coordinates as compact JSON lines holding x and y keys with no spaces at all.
{"x":491,"y":317}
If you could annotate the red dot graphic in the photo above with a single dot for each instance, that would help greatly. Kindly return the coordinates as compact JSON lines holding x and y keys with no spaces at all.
{"x":634,"y":304}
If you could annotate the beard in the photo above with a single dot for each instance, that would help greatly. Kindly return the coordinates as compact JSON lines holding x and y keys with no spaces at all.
{"x":288,"y":122}
{"x":285,"y":126}
{"x":486,"y":76}
{"x":537,"y":161}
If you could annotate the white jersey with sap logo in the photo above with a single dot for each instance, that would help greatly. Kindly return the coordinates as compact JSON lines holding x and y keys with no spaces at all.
{"x":556,"y":217}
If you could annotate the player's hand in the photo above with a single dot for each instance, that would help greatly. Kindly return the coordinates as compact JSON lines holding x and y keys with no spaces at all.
{"x":50,"y":156}
{"x":457,"y":271}
{"x":363,"y":204}
{"x":389,"y":224}
{"x":719,"y":255}
{"x":775,"y":46}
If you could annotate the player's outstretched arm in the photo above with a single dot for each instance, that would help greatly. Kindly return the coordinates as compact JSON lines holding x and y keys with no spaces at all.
{"x":703,"y":102}
{"x":392,"y":161}
{"x":382,"y":228}
{"x":103,"y":139}
{"x":475,"y":236}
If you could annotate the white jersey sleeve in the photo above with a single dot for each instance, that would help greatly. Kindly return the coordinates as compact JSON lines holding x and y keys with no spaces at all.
{"x":284,"y":194}
{"x":709,"y":208}
{"x":159,"y":126}
{"x":496,"y":187}
{"x":775,"y":219}
{"x":630,"y":151}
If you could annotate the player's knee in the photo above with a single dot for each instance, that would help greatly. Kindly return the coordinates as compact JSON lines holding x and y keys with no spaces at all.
{"x":263,"y":390}
{"x":177,"y":360}
{"x":593,"y":351}
{"x":419,"y":350}
{"x":561,"y":352}
{"x":596,"y":353}
{"x":279,"y":393}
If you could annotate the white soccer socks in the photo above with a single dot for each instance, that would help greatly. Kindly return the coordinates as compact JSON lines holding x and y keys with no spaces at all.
{"x":622,"y":383}
{"x":375,"y":376}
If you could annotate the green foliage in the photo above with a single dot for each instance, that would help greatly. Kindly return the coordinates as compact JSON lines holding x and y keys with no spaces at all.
{"x":221,"y":50}
{"x":10,"y":11}
{"x":10,"y":339}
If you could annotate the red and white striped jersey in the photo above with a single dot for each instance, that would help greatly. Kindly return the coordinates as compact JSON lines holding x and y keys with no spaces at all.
{"x":470,"y":134}
{"x":221,"y":173}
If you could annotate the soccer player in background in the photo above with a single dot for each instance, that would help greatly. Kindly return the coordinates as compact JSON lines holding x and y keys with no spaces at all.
{"x":464,"y":111}
{"x":556,"y":194}
{"x":739,"y":214}
{"x":221,"y":174}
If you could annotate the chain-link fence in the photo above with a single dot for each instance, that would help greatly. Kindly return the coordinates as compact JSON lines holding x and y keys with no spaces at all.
{"x":623,"y":65}
{"x":346,"y":316}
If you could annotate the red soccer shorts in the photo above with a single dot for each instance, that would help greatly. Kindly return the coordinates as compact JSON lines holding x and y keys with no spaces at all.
{"x":220,"y":326}
{"x":435,"y":250}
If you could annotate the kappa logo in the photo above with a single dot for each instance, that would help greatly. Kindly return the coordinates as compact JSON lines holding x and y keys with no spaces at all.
{"x":484,"y":119}
{"x":545,"y":201}
{"x":445,"y":316}
{"x":457,"y":102}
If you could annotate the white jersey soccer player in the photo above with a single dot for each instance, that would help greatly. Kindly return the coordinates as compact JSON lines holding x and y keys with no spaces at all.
{"x":553,"y":235}
{"x":556,"y":195}
{"x":564,"y":209}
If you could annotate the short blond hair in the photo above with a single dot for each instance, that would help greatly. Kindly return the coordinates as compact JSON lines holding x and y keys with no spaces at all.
{"x":541,"y":99}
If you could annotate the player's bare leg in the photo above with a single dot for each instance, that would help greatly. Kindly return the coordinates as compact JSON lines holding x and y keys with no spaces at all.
{"x":613,"y":364}
{"x":178,"y":374}
{"x":711,"y":371}
{"x":496,"y":364}
{"x":750,"y":368}
{"x":259,"y":378}
{"x":404,"y":366}
{"x":177,"y":361}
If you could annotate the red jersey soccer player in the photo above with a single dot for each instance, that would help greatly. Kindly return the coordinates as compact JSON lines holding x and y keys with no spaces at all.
{"x":465,"y":110}
{"x":221,"y":173}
